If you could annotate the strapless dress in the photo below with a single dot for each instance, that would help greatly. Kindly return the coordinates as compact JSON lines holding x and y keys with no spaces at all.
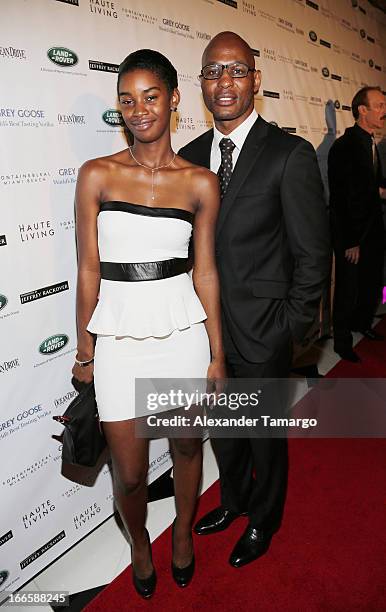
{"x":150,"y":328}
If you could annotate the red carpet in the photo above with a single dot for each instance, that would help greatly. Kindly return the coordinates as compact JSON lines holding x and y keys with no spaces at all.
{"x":330,"y":554}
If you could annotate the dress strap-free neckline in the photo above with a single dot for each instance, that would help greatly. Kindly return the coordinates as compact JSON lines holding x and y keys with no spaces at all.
{"x":149,"y":211}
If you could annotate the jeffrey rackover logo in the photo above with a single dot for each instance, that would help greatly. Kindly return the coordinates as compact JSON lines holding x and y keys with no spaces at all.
{"x":53,"y":344}
{"x":61,"y":56}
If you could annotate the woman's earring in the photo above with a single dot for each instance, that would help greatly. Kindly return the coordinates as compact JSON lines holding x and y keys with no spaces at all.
{"x":173,"y":109}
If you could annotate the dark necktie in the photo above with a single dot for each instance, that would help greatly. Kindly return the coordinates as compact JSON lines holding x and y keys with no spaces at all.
{"x":225,"y":170}
{"x":375,"y":155}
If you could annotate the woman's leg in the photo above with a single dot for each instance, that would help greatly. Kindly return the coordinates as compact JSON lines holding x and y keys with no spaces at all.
{"x":187,"y":460}
{"x":130,"y":459}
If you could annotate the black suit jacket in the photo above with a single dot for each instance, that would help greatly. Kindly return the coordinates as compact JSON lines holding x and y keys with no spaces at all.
{"x":356,"y":210}
{"x":272,"y":239}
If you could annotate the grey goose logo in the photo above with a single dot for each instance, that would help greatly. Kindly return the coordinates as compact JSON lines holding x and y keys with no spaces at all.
{"x":3,"y":301}
{"x":61,"y":56}
{"x":3,"y":576}
{"x":113,"y":117}
{"x":53,"y":344}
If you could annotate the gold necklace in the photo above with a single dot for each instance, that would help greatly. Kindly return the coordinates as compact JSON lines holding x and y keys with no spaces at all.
{"x":152,"y":170}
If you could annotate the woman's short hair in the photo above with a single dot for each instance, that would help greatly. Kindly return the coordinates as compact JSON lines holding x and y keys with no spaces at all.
{"x":148,"y":59}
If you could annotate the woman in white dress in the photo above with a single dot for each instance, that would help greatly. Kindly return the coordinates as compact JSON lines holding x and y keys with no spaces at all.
{"x":139,"y":313}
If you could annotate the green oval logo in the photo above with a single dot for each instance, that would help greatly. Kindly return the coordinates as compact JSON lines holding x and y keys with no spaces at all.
{"x":3,"y":301}
{"x":113,"y":117}
{"x":62,"y":56}
{"x":53,"y":344}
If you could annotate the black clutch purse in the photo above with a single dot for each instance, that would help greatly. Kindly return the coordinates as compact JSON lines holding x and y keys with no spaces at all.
{"x":82,"y":438}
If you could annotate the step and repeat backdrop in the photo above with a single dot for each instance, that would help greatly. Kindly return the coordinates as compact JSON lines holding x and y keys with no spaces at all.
{"x":58,"y":108}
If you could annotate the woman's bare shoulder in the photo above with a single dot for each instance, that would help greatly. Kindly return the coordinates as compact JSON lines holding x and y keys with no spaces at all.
{"x":102,"y":165}
{"x":198,"y":173}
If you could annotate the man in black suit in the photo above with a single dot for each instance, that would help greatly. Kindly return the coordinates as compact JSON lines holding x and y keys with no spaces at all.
{"x":273,"y":258}
{"x":355,"y":176}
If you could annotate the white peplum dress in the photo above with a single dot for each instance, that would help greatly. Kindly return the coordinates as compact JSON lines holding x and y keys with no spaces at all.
{"x":145,"y":329}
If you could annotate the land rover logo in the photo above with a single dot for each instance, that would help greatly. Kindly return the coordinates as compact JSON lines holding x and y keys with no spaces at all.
{"x":313,"y":36}
{"x":113,"y":117}
{"x":3,"y":576}
{"x":62,"y":56}
{"x":325,"y":72}
{"x":53,"y":344}
{"x":3,"y":301}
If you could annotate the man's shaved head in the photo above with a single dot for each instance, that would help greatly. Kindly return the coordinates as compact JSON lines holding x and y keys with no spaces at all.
{"x":230,"y":99}
{"x":228,"y":40}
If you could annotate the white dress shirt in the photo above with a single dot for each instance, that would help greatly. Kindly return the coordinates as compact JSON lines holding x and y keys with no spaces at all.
{"x":238,"y":137}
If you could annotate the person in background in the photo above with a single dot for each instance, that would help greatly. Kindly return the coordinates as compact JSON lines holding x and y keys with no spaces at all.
{"x":355,"y":179}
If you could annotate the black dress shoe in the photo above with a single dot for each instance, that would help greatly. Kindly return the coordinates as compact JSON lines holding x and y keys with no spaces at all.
{"x":182,"y":575}
{"x":252,"y":545}
{"x":216,"y":520}
{"x":145,"y":587}
{"x":371,"y":334}
{"x":349,"y":355}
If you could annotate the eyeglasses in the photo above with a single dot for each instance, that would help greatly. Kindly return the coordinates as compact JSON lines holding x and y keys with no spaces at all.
{"x":236,"y":70}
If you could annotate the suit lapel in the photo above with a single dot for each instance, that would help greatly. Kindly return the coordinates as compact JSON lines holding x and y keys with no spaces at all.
{"x":203,"y":151}
{"x":249,"y":153}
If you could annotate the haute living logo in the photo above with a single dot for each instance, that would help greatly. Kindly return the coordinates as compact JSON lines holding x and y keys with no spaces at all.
{"x":36,"y":231}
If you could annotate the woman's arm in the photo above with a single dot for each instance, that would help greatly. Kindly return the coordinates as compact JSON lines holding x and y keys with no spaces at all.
{"x":205,"y":277}
{"x":87,"y":207}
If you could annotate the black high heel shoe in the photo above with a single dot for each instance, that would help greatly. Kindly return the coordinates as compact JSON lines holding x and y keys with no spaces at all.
{"x":145,"y":587}
{"x":182,"y":575}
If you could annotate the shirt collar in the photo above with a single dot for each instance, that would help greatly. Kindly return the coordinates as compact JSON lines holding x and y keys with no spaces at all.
{"x":239,"y":134}
{"x":363,"y":133}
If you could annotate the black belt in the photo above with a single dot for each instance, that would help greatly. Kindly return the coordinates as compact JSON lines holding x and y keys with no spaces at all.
{"x":146,"y":271}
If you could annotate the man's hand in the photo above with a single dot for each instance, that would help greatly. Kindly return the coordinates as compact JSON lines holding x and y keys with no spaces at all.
{"x":352,"y":255}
